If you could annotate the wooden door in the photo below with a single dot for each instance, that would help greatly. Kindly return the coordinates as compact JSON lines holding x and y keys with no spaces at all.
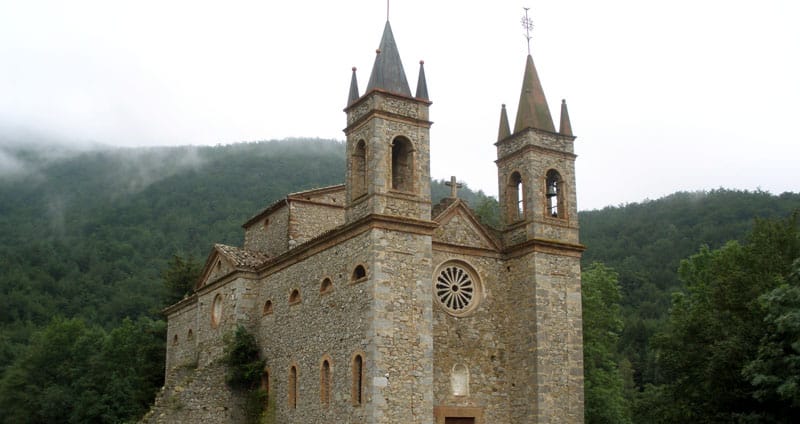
{"x":459,"y":420}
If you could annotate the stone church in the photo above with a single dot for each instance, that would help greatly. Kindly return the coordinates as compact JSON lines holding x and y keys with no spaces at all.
{"x":370,"y":304}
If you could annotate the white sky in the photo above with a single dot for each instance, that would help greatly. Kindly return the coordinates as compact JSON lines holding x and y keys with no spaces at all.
{"x":663,"y":95}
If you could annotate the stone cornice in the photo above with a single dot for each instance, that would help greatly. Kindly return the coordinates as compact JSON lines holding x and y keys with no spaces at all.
{"x":545,"y":246}
{"x":387,"y":115}
{"x":540,"y":149}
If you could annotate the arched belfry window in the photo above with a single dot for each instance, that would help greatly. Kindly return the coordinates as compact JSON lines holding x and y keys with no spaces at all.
{"x":359,"y":169}
{"x":515,"y":198}
{"x":554,"y":191}
{"x":402,"y":164}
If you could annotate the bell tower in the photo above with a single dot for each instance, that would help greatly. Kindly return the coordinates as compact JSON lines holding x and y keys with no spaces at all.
{"x":388,"y":141}
{"x":539,"y":227}
{"x":536,"y":170}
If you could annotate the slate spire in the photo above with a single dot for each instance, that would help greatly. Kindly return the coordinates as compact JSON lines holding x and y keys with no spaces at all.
{"x":504,"y":130}
{"x":565,"y":127}
{"x":532,"y":111}
{"x":387,"y":72}
{"x":422,"y":85}
{"x":353,"y":89}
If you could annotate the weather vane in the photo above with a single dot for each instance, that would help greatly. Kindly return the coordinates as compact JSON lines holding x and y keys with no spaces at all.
{"x":528,"y":25}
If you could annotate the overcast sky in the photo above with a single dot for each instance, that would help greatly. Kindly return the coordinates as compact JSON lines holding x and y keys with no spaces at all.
{"x":663,"y":96}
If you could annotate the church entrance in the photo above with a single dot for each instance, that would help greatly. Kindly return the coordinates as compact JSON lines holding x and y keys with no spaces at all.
{"x":459,"y":420}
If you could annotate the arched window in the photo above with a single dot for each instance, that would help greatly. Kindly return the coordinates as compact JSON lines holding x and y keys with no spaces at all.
{"x":359,"y":169}
{"x":326,"y":286}
{"x":359,"y":273}
{"x":325,"y":382}
{"x":402,"y":165}
{"x":267,"y":308}
{"x":554,"y":191}
{"x":357,"y":390}
{"x":293,"y":387}
{"x":515,"y":198}
{"x":294,"y":297}
{"x":175,"y":339}
{"x":190,"y":335}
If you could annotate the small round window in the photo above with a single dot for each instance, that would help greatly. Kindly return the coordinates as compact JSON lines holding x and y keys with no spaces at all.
{"x":457,"y":288}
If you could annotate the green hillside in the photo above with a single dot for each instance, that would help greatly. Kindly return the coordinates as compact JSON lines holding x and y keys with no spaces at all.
{"x":87,"y":238}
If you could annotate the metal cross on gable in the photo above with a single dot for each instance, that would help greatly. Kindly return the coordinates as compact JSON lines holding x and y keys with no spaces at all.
{"x":454,"y":186}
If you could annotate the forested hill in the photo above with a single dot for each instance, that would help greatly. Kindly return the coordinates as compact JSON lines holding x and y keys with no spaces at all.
{"x":87,"y":235}
{"x":646,"y":242}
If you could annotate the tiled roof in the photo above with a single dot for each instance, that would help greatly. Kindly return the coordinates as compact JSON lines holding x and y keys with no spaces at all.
{"x":242,"y":258}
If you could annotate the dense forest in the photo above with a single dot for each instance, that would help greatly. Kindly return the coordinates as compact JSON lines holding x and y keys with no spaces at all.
{"x":96,"y":242}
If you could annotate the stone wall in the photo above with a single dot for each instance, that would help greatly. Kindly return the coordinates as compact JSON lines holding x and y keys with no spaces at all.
{"x":182,"y":335}
{"x":270,"y":234}
{"x":478,"y":341}
{"x":401,"y":329}
{"x":332,"y":324}
{"x":196,"y":396}
{"x":310,"y":219}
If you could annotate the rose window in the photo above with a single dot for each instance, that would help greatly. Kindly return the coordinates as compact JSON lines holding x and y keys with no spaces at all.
{"x":456,"y":289}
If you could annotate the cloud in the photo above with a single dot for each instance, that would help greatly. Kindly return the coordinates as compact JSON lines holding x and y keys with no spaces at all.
{"x":10,"y":166}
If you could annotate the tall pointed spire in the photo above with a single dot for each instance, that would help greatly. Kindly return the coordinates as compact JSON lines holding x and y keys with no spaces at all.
{"x":565,"y":127}
{"x":532,"y":111}
{"x":422,"y":85}
{"x":353,"y":89}
{"x":387,"y":72}
{"x":504,"y":130}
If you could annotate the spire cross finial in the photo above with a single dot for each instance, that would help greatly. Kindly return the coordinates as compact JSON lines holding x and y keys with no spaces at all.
{"x":454,"y":186}
{"x":528,"y":25}
{"x":387,"y":10}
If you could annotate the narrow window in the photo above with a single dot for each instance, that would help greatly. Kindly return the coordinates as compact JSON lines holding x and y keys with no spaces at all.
{"x":326,"y":286}
{"x":359,"y":272}
{"x":359,"y":169}
{"x":515,"y":198}
{"x":358,"y":380}
{"x":402,"y":164}
{"x":554,"y":193}
{"x":294,"y":297}
{"x":325,"y":383}
{"x":293,"y":387}
{"x":267,"y":308}
{"x":190,"y":335}
{"x":175,"y":339}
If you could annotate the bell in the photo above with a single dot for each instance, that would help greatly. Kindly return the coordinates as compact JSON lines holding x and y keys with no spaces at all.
{"x":551,"y":190}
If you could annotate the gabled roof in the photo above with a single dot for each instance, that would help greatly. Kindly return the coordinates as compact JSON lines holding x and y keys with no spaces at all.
{"x":479,"y":235}
{"x":235,"y":257}
{"x":387,"y":72}
{"x":533,"y":111}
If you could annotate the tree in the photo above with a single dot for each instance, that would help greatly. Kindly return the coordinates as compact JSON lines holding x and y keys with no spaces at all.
{"x":775,"y":372}
{"x":716,"y":328}
{"x":602,"y":325}
{"x":179,"y":278}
